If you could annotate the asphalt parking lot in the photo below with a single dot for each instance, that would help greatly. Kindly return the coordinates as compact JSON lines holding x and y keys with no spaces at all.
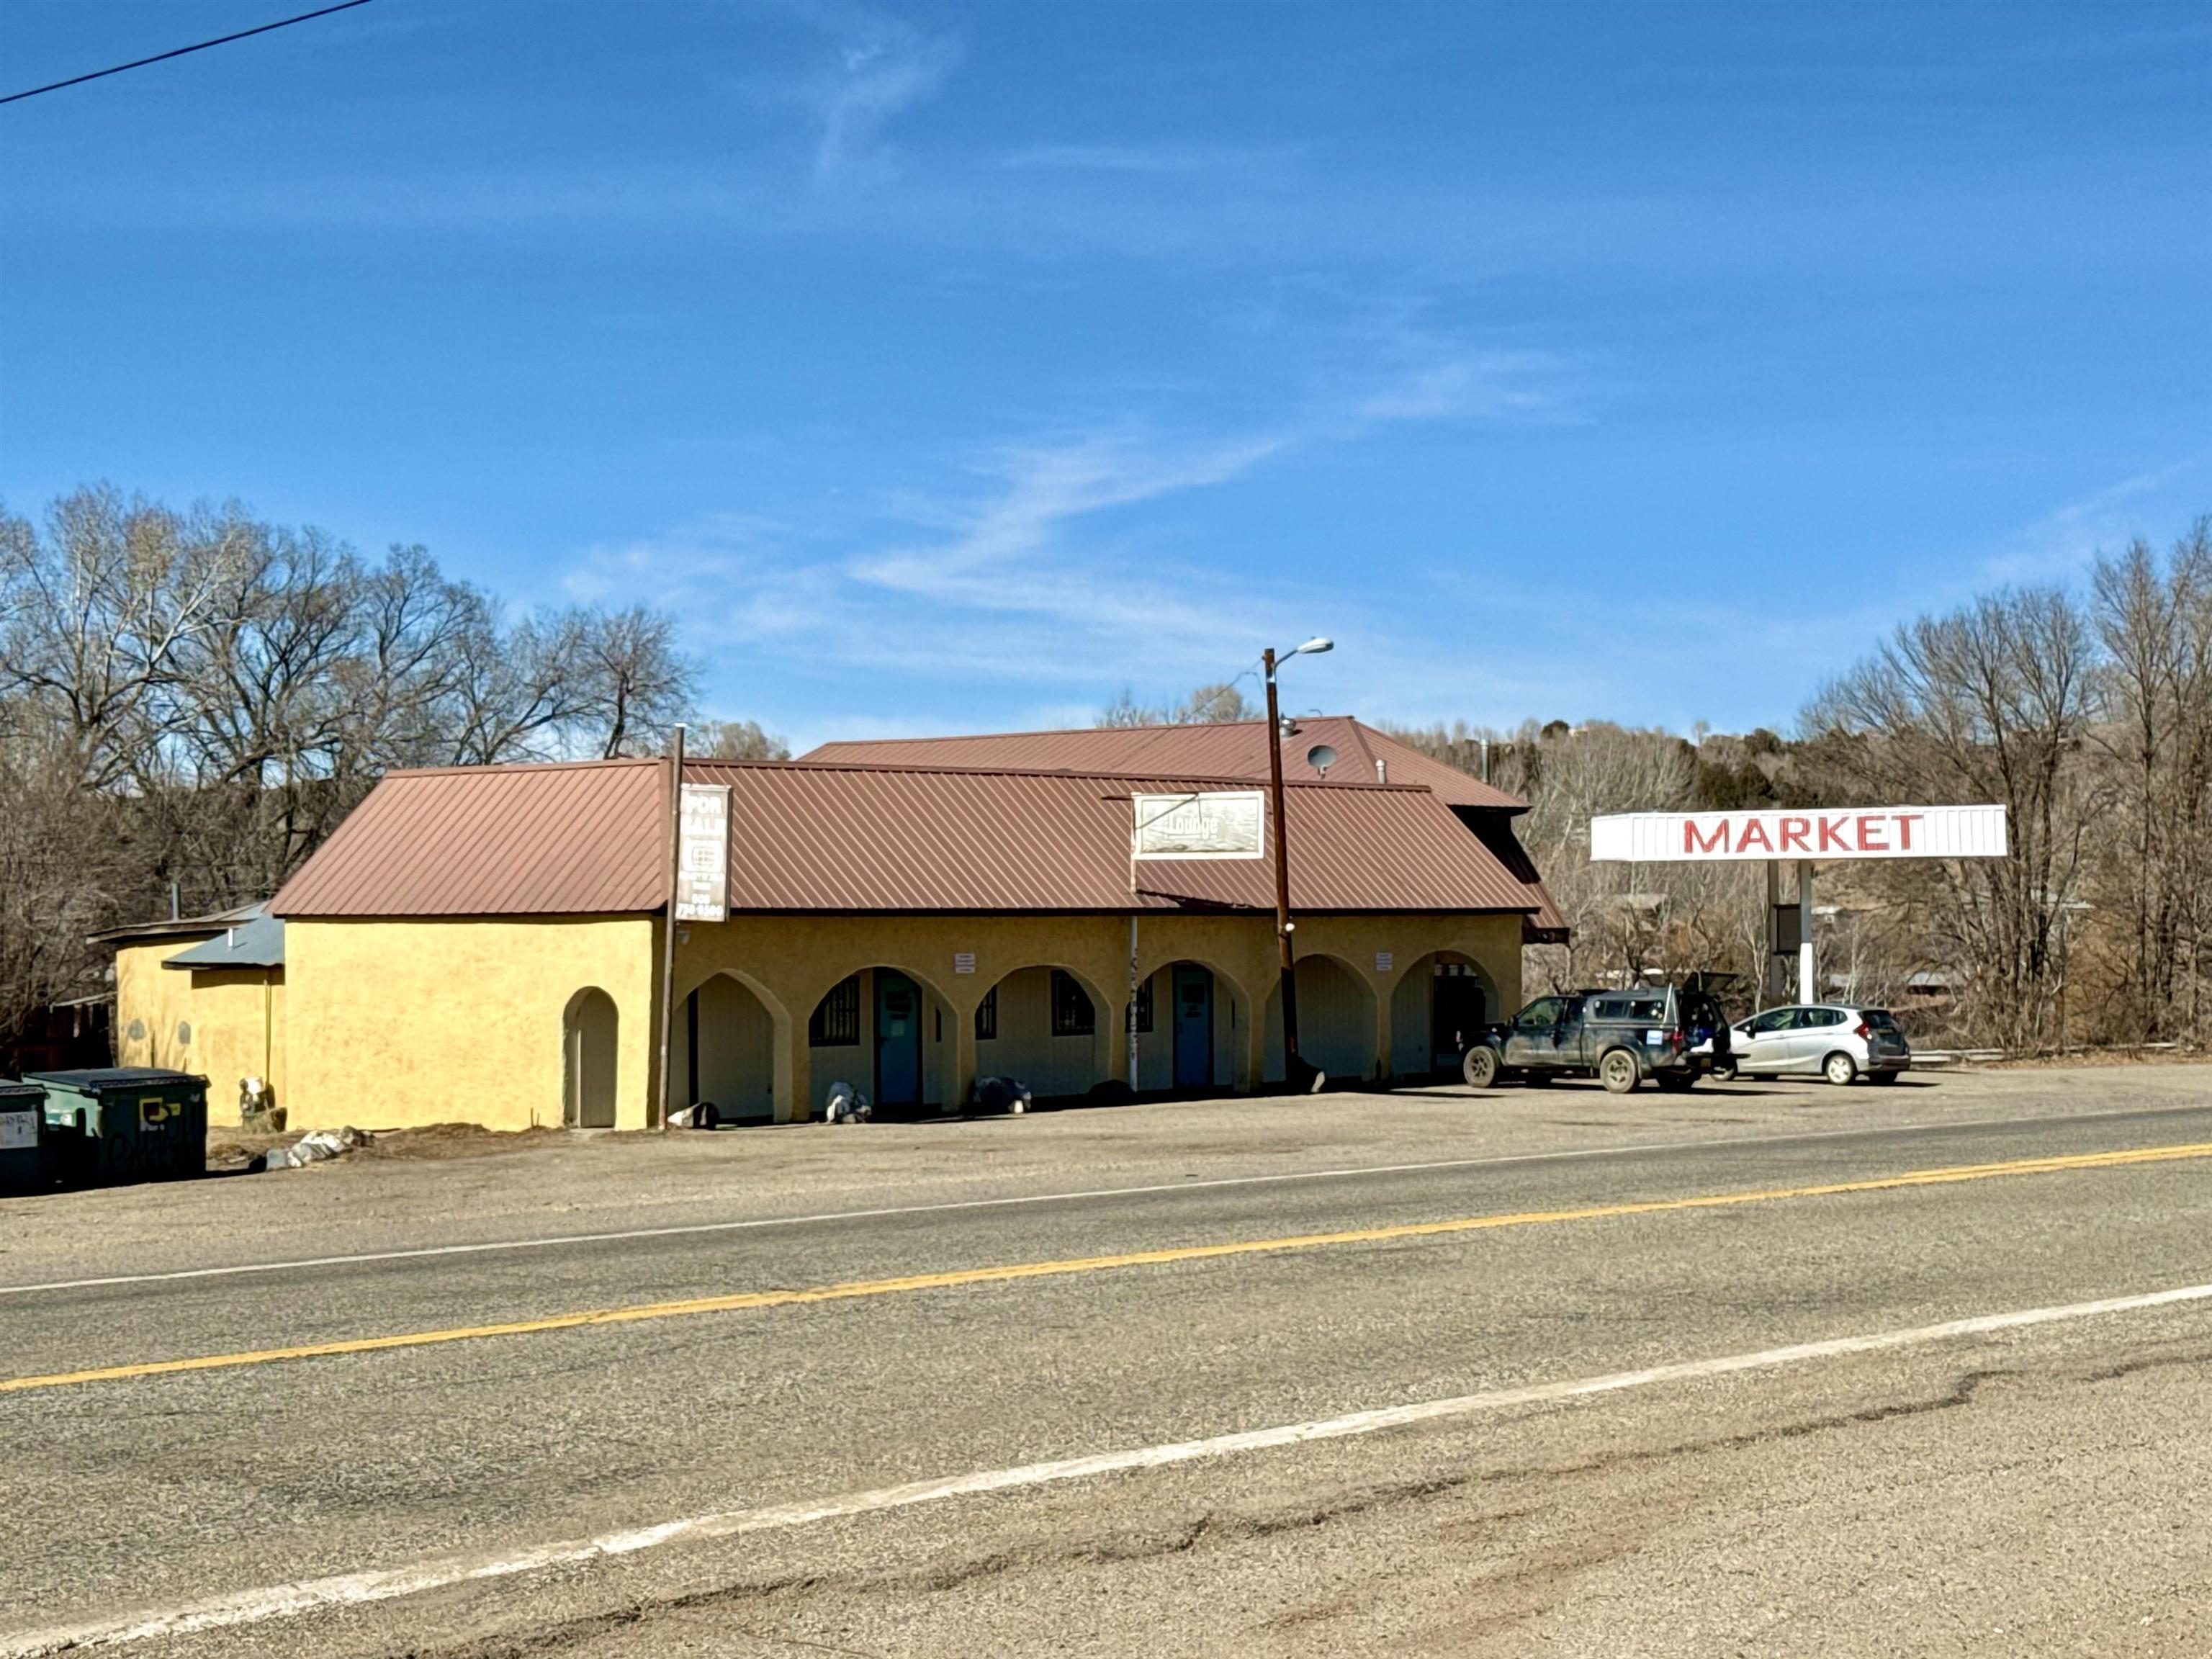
{"x":1761,"y":1369}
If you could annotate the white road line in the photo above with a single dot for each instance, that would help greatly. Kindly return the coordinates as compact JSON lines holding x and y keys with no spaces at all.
{"x":387,"y":1583}
{"x":1281,"y":1178}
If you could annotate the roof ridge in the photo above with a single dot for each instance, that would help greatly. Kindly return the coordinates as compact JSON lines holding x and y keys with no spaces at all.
{"x":477,"y":768}
{"x":948,"y":769}
{"x":1071,"y":731}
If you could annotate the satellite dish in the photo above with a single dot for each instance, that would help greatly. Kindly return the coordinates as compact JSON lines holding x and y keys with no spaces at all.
{"x":1321,"y":757}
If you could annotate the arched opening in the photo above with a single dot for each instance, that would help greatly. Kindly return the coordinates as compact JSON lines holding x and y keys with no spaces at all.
{"x":1049,"y":1028}
{"x":887,"y":1033}
{"x":1439,"y":1005}
{"x":726,"y":1050}
{"x":589,"y":1073}
{"x":1336,"y":1022}
{"x":1192,"y":1023}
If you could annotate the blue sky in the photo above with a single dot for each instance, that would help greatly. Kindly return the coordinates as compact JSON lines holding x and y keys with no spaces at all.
{"x":950,"y":368}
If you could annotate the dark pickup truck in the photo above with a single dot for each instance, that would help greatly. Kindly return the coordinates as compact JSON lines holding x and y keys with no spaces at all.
{"x":1622,"y":1038}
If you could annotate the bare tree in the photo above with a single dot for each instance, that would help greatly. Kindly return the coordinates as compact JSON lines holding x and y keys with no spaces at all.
{"x":1207,"y":705}
{"x":629,"y":681}
{"x":2155,"y":864}
{"x":198,"y":697}
{"x":1993,"y":702}
{"x":736,"y":740}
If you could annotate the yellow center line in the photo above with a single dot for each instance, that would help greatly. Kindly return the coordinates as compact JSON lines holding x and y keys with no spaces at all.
{"x":853,"y":1290}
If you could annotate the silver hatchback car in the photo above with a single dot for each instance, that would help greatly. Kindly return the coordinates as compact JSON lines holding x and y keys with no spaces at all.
{"x":1837,"y":1043}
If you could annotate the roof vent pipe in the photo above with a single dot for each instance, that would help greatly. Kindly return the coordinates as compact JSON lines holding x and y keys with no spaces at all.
{"x":1382,"y":771}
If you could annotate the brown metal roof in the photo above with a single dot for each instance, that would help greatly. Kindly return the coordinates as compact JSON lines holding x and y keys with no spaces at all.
{"x":906,"y":838}
{"x":494,"y":841}
{"x":585,"y":839}
{"x":1228,"y":749}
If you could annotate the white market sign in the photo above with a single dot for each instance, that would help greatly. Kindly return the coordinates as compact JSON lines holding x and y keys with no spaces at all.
{"x":1877,"y":832}
{"x":1213,"y":823}
{"x":702,"y":854}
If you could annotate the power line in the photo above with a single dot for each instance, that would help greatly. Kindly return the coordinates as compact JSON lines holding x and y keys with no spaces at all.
{"x":161,"y":56}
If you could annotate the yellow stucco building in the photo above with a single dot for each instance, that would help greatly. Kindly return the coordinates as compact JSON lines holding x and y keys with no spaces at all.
{"x":487,"y":945}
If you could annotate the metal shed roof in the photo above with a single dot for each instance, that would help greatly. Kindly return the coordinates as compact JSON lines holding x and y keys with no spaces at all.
{"x":256,"y":940}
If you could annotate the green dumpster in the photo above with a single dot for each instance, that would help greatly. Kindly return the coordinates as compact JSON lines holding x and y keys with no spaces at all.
{"x":127,"y":1123}
{"x":22,"y":1137}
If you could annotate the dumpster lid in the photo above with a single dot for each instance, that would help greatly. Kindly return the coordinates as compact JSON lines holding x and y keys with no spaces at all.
{"x":13,"y":1090}
{"x":92,"y":1081}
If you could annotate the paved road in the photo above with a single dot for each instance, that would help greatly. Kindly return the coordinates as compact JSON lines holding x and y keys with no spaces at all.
{"x":1518,"y":1375}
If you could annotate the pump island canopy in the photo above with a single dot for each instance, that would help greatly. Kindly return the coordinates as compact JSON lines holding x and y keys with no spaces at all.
{"x":1772,"y":836}
{"x":1870,"y":832}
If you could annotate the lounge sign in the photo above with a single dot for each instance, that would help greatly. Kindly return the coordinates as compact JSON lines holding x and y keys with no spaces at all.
{"x":1212,"y":823}
{"x":1876,"y":832}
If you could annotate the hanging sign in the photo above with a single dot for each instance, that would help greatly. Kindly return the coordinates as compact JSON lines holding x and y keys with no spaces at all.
{"x":1212,"y":823}
{"x":1874,"y":832}
{"x":702,"y":854}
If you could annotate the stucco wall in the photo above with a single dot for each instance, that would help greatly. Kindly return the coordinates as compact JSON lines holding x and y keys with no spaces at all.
{"x":387,"y":1023}
{"x":409,"y":1022}
{"x":792,"y":962}
{"x":236,"y":1018}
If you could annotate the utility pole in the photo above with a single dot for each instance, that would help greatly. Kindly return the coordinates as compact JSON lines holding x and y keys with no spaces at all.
{"x":1292,"y":1066}
{"x":668,"y":922}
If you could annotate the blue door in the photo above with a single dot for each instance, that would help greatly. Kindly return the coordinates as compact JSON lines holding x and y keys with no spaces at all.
{"x":898,"y":1040}
{"x":1194,"y":1026}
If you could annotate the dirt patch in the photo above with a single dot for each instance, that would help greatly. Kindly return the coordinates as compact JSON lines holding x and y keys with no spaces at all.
{"x":446,"y":1140}
{"x":2099,"y":1058}
{"x":230,"y":1147}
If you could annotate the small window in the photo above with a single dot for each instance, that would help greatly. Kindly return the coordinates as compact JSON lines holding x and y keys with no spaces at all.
{"x":987,"y":1016}
{"x":1071,"y":1012}
{"x":1145,"y":1007}
{"x":836,"y":1021}
{"x":1879,"y":1019}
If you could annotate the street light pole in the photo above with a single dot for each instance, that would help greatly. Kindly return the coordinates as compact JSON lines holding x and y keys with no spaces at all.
{"x":1294,"y":1068}
{"x":1291,"y":1063}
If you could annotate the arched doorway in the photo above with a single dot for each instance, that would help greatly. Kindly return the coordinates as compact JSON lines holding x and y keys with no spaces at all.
{"x":1336,"y":1021}
{"x":589,"y":1073}
{"x":724,"y":1050}
{"x":1049,"y":1028}
{"x":887,"y":1032}
{"x":1440,"y":1004}
{"x":1192,"y":1023}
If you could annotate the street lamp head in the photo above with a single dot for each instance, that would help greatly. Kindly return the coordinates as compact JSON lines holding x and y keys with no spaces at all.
{"x":1315,"y":646}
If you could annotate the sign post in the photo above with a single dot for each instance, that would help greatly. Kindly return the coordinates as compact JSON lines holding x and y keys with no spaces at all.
{"x":1774,"y":836}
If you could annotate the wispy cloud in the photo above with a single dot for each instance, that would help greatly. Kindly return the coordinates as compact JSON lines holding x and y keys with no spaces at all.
{"x":2062,"y":542}
{"x":886,"y":67}
{"x":1050,"y":569}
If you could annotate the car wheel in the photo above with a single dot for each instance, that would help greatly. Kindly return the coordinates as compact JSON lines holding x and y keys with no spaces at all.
{"x":1618,"y":1072}
{"x":1839,"y":1068}
{"x":1677,"y":1082}
{"x":1724,"y":1072}
{"x":1479,"y":1066}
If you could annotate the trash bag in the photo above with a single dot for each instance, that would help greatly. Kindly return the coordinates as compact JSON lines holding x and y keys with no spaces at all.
{"x":316,"y":1148}
{"x":1002,"y":1094}
{"x":846,"y":1104}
